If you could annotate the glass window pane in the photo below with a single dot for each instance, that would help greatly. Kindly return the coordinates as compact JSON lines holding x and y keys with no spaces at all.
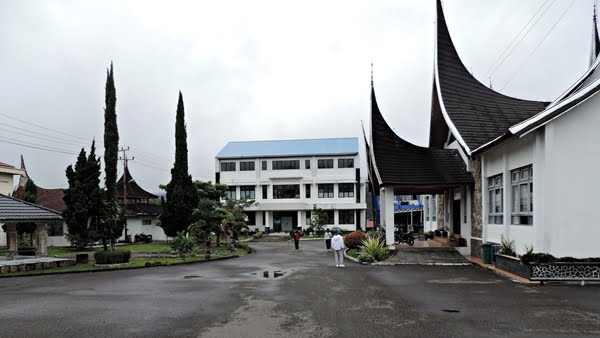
{"x":515,"y":176}
{"x":524,"y":192}
{"x":531,"y":197}
{"x":515,"y":199}
{"x":498,"y":206}
{"x":498,"y":181}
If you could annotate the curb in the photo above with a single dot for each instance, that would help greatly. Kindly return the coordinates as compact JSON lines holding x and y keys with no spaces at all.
{"x":424,"y":264}
{"x":352,"y":259}
{"x":116,"y":269}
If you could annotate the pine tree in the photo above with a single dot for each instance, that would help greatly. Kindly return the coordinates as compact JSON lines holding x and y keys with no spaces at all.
{"x":111,"y":150}
{"x":30,"y":194}
{"x":182,"y":196}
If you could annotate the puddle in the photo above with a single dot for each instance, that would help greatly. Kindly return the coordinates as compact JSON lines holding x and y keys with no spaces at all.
{"x":450,"y":311}
{"x":191,"y":276}
{"x":273,"y":274}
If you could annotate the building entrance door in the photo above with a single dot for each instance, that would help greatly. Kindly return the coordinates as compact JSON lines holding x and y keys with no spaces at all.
{"x":287,"y":223}
{"x":456,"y":217}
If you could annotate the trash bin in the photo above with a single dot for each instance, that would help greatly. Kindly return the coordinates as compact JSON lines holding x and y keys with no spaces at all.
{"x":486,"y":253}
{"x":495,"y":249}
{"x":267,"y":230}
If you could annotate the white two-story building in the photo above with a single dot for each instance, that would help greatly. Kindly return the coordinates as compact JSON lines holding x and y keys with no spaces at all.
{"x":288,"y":178}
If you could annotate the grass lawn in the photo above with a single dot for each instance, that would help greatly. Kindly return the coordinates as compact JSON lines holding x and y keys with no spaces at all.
{"x":353,"y":253}
{"x":133,"y":263}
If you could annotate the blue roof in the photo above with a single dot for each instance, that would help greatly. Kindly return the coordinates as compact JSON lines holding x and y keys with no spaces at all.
{"x":281,"y":148}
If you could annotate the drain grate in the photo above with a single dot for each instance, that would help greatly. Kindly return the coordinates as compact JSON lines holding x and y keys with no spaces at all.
{"x":450,"y":310}
{"x":191,"y":276}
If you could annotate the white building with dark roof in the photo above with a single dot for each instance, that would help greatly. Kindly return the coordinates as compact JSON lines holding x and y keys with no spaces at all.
{"x":287,"y":178}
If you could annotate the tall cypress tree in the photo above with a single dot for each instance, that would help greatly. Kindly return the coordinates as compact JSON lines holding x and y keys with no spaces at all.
{"x":182,"y":196}
{"x":111,"y":136}
{"x":111,"y":153}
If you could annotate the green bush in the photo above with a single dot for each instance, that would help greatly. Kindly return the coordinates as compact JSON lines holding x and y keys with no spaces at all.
{"x":183,"y":245}
{"x":112,"y":257}
{"x":257,"y":235}
{"x":363,"y":257}
{"x":372,"y":246}
{"x":507,"y":247}
{"x":244,"y":246}
{"x":354,"y":239}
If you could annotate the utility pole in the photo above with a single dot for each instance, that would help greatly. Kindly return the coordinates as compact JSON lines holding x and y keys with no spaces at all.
{"x":125,"y":159}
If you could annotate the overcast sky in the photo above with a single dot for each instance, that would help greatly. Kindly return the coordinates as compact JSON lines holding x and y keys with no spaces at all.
{"x":255,"y":70}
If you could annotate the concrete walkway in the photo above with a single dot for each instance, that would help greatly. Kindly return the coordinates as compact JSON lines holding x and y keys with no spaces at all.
{"x":32,"y":260}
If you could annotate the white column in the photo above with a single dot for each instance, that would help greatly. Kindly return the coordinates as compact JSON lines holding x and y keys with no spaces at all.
{"x":300,"y":223}
{"x":268,"y":220}
{"x":41,"y":239}
{"x":388,"y":216}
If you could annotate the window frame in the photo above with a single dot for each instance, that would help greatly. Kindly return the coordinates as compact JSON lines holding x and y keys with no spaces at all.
{"x":248,"y":192}
{"x":231,"y":192}
{"x":517,"y":182}
{"x":345,"y":193}
{"x":495,"y":188}
{"x":344,"y":215}
{"x":345,"y":163}
{"x":277,"y":194}
{"x":307,"y":164}
{"x":325,"y":163}
{"x":228,"y":166}
{"x":307,"y":190}
{"x":265,"y":191}
{"x":263,"y":165}
{"x":323,"y":190}
{"x":285,"y":165}
{"x":247,"y":166}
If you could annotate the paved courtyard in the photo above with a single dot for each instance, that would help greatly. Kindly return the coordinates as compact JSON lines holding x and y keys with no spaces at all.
{"x":302,"y":295}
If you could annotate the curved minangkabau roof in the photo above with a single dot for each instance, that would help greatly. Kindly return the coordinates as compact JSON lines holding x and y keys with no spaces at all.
{"x":476,"y":114}
{"x":408,"y":167}
{"x":133,"y":189}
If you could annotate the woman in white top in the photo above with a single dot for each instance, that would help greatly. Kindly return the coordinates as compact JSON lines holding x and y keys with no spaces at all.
{"x":328,"y":239}
{"x":337,"y":244}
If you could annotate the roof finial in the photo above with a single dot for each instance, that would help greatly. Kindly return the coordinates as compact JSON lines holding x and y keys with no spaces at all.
{"x":371,"y":73}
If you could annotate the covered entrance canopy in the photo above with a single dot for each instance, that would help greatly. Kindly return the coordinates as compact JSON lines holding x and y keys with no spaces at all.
{"x":398,"y":167}
{"x":13,"y":211}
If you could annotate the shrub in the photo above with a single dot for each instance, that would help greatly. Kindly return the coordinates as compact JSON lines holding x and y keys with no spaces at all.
{"x":244,"y":246}
{"x":372,"y":246}
{"x":183,"y":245}
{"x":362,"y":257}
{"x":257,"y":235}
{"x":354,"y":239}
{"x":507,"y":247}
{"x":537,"y":258}
{"x":112,"y":257}
{"x":528,"y":248}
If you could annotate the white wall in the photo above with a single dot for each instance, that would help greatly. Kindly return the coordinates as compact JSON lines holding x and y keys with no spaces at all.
{"x":134,"y":227}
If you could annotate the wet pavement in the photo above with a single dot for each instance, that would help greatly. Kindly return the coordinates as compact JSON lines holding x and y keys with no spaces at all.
{"x":281,"y":292}
{"x":425,"y":256}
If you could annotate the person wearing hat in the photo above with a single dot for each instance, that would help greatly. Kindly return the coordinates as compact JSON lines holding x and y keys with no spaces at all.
{"x":337,"y":244}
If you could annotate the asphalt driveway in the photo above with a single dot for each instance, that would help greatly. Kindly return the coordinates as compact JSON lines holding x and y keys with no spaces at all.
{"x":302,"y":295}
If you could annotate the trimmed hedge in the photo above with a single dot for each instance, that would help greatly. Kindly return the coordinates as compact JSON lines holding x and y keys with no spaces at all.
{"x":112,"y":257}
{"x":354,"y":239}
{"x":537,"y":258}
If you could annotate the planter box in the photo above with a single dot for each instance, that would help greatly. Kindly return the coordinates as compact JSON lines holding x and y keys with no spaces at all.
{"x":513,"y":265}
{"x":564,"y":271}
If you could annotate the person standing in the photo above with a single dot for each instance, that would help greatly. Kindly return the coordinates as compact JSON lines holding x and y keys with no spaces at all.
{"x":328,"y":239}
{"x":297,"y":238}
{"x":337,"y":244}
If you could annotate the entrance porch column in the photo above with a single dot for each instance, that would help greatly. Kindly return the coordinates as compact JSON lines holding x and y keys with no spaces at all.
{"x":387,"y":213}
{"x":269,"y":220}
{"x":300,"y":219}
{"x":41,"y":239}
{"x":11,"y":239}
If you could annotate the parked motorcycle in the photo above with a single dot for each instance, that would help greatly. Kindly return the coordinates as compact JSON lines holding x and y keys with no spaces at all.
{"x":407,"y":238}
{"x":142,"y":238}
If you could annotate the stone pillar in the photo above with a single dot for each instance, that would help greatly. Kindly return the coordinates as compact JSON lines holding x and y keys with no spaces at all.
{"x":11,"y":239}
{"x":41,"y":239}
{"x":388,"y":214}
{"x":477,"y":208}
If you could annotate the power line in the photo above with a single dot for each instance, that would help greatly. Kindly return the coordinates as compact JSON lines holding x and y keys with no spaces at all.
{"x":36,"y":125}
{"x":522,"y":38}
{"x":36,"y":146}
{"x":78,"y":143}
{"x":539,"y":44}
{"x":36,"y":137}
{"x":515,"y":38}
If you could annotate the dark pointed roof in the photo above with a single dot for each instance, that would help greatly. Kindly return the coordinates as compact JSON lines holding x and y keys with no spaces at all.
{"x":408,"y":167}
{"x":474,"y":113}
{"x":133,"y":189}
{"x":142,"y":209}
{"x":16,"y":210}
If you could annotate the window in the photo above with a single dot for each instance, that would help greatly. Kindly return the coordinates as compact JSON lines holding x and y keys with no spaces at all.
{"x":307,"y":190}
{"x":306,"y":164}
{"x":55,"y":229}
{"x":346,"y":163}
{"x":146,"y":222}
{"x":230,"y":194}
{"x":284,"y":165}
{"x":434,"y":206}
{"x":522,"y":195}
{"x":308,"y":220}
{"x":264,"y":192}
{"x":326,"y":190}
{"x":495,"y":200}
{"x":227,"y":166}
{"x":330,"y":217}
{"x":345,"y":190}
{"x":247,"y":166}
{"x":325,"y":164}
{"x":247,"y":192}
{"x":286,"y":191}
{"x":264,"y":165}
{"x":346,"y":216}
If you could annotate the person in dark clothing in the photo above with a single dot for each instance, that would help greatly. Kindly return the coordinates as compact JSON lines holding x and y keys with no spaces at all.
{"x":296,"y":238}
{"x":327,"y":237}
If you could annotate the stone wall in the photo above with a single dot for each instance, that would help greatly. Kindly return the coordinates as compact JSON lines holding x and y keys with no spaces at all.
{"x":475,"y":248}
{"x":476,"y":207}
{"x":441,"y":210}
